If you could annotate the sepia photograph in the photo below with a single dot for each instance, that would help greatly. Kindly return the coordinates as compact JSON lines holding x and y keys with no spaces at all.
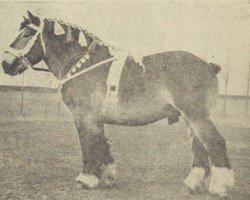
{"x":125,"y":100}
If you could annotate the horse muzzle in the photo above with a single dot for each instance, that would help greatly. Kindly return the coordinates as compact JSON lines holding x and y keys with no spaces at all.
{"x":12,"y":65}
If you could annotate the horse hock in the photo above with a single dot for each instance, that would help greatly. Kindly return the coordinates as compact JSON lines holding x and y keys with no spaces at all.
{"x":222,"y":176}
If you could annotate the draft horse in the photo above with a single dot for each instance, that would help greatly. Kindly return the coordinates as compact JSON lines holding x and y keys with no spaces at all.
{"x":172,"y":84}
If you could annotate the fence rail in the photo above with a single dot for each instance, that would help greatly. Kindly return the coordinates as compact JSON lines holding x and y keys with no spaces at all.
{"x":46,"y":103}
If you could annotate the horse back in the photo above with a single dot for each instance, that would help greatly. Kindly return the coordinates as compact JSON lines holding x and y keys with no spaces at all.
{"x":176,"y":77}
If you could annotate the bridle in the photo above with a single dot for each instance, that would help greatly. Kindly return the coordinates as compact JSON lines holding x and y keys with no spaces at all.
{"x":23,"y":52}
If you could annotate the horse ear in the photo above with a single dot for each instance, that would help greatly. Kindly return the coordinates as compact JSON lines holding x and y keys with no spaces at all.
{"x":34,"y":20}
{"x":24,"y":18}
{"x":30,"y":14}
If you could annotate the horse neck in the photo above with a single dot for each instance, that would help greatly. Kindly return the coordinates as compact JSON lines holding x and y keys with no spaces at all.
{"x":60,"y":57}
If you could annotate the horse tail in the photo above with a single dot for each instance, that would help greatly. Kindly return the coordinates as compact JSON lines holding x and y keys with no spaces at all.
{"x":215,"y":68}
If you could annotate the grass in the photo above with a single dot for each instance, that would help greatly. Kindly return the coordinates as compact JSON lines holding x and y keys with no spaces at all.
{"x":39,"y":160}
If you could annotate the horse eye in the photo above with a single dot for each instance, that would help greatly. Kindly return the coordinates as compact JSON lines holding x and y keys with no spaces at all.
{"x":26,"y":35}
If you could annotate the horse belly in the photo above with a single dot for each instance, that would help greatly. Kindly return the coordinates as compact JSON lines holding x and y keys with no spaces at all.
{"x":143,"y":98}
{"x":141,"y":113}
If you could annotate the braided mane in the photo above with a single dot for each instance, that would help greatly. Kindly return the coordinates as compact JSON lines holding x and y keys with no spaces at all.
{"x":90,"y":34}
{"x":136,"y":57}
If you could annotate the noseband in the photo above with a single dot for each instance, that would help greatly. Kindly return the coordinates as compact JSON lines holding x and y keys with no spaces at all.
{"x":21,"y":53}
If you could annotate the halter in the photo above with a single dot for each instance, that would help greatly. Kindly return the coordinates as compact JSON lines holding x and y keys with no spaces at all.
{"x":23,"y":52}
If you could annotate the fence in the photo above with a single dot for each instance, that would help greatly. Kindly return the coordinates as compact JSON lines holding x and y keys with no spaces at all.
{"x":232,"y":106}
{"x":45,"y":103}
{"x":31,"y":103}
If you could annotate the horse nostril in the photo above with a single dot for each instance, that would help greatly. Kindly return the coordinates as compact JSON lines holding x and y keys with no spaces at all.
{"x":4,"y":63}
{"x":5,"y":66}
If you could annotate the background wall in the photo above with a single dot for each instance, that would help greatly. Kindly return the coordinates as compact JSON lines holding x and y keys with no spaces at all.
{"x":217,"y":32}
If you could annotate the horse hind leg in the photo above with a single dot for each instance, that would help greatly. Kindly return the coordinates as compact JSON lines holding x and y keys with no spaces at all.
{"x":222,"y":176}
{"x":201,"y":166}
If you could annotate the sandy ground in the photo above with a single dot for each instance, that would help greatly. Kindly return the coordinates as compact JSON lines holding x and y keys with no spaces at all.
{"x":39,"y":160}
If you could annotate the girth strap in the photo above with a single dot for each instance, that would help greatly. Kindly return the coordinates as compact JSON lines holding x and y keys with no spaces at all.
{"x":113,"y":81}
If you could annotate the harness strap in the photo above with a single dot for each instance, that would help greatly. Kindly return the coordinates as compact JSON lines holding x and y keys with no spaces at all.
{"x":63,"y":81}
{"x":113,"y":81}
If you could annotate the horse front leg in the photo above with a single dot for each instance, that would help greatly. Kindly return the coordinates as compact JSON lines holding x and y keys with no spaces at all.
{"x":98,"y":164}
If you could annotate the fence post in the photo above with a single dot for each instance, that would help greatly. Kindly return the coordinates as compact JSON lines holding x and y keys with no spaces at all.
{"x":248,"y":79}
{"x":226,"y":87}
{"x":225,"y":94}
{"x":22,"y":97}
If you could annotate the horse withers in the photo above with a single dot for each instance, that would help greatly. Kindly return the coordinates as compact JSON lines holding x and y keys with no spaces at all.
{"x":172,"y":84}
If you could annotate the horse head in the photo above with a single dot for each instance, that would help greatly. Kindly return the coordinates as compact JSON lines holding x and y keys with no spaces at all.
{"x":27,"y":49}
{"x":59,"y":44}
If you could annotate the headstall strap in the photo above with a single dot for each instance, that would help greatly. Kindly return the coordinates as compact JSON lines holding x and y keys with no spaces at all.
{"x":33,"y":27}
{"x":22,"y":52}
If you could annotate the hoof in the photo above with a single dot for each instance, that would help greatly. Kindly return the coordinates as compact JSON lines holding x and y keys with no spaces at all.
{"x":108,"y":175}
{"x":195,"y":180}
{"x":222,"y":179}
{"x":87,"y":180}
